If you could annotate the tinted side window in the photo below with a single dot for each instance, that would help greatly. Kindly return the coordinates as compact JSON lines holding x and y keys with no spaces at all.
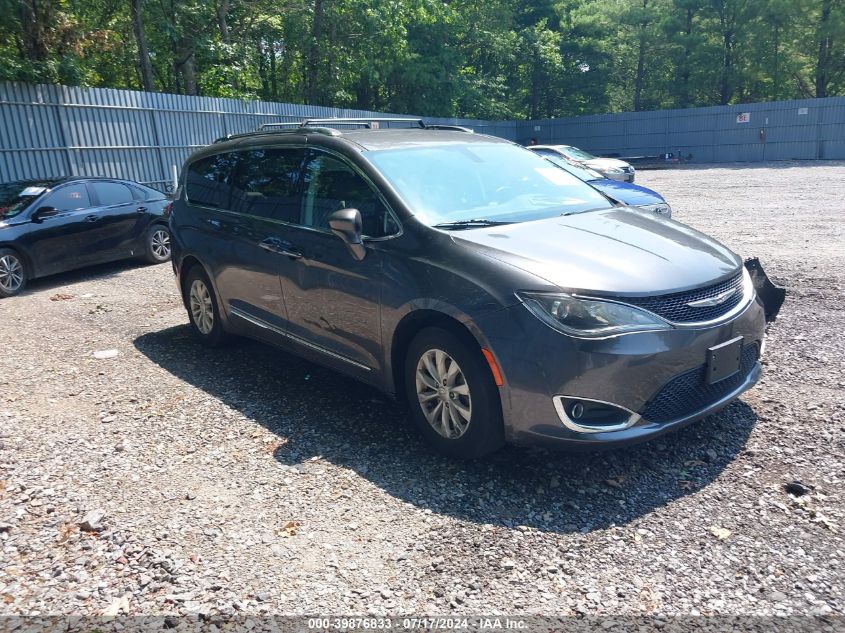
{"x":209,"y":180}
{"x":331,"y":185}
{"x":139,"y":194}
{"x":110,"y":193}
{"x":69,"y":198}
{"x":267,"y":183}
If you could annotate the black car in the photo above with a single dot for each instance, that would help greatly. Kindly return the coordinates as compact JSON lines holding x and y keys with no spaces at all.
{"x":503,"y":298}
{"x":50,"y":226}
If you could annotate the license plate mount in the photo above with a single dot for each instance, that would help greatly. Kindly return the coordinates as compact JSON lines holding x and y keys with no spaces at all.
{"x":723,"y":360}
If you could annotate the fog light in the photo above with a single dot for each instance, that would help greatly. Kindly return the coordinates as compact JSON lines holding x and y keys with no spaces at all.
{"x":593,"y":416}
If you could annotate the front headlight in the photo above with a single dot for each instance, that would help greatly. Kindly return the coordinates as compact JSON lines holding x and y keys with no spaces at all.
{"x":590,"y":318}
{"x":748,"y":289}
{"x":614,"y":170}
{"x":660,"y":209}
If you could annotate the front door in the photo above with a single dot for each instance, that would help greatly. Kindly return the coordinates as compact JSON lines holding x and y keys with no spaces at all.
{"x":56,"y":242}
{"x":333,"y":301}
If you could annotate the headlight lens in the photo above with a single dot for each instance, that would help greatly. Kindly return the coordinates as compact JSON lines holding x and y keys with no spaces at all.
{"x":660,"y":209}
{"x":614,"y":170}
{"x":590,"y":318}
{"x":748,"y":289}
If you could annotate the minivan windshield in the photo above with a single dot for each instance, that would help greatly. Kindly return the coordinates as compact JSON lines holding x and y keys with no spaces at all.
{"x":482,"y":183}
{"x":16,"y":196}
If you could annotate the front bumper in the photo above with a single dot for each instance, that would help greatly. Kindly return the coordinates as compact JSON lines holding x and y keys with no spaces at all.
{"x":652,"y":374}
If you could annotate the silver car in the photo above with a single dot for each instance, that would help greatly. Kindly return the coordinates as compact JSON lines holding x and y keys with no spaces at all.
{"x":612,"y":168}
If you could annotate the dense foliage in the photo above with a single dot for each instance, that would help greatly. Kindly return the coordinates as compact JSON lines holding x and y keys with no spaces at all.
{"x":491,"y":59}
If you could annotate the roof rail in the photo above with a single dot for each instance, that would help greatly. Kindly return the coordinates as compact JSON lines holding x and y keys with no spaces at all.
{"x":453,"y":128}
{"x":324,"y":126}
{"x":365,"y":121}
{"x":296,"y":128}
{"x":265,"y":126}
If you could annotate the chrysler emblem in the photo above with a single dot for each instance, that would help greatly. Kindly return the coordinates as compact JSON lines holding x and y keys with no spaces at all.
{"x":713,"y":301}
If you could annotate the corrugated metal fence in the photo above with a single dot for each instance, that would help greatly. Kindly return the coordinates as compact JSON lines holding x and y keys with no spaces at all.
{"x":781,"y":130}
{"x":48,"y":131}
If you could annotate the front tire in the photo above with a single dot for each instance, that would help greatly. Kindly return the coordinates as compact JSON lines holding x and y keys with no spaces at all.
{"x":157,"y":244}
{"x":453,"y":399}
{"x":203,"y":312}
{"x":13,"y":275}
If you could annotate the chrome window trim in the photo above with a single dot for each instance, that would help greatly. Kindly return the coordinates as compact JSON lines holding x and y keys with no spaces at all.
{"x":343,"y":159}
{"x":569,"y":423}
{"x":276,"y":330}
{"x":334,"y":154}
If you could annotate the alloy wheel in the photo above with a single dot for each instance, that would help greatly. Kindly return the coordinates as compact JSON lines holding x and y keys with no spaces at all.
{"x":443,"y":394}
{"x":202,"y":310}
{"x":160,"y":244}
{"x":11,"y":274}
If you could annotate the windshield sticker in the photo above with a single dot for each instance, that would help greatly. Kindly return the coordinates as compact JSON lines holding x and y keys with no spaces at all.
{"x":554,"y":175}
{"x":33,"y":191}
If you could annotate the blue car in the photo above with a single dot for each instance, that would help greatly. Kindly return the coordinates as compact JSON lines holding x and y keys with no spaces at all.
{"x":625,"y":192}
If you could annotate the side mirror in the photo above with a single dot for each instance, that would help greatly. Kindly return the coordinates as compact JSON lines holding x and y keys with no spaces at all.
{"x":346,"y":224}
{"x":44,"y":212}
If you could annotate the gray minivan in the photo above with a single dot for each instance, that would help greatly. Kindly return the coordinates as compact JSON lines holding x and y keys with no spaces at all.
{"x":502,"y":298}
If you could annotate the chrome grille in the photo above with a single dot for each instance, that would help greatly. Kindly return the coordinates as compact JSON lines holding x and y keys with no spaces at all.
{"x":673,"y":307}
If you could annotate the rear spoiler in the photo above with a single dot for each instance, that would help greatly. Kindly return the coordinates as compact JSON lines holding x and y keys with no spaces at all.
{"x":770,"y":295}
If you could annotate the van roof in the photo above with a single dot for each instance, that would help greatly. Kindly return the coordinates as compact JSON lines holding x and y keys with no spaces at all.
{"x":400,"y":138}
{"x":367,"y":134}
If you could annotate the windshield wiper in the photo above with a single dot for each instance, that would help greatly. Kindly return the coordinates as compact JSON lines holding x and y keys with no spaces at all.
{"x":470,"y":224}
{"x":563,"y":215}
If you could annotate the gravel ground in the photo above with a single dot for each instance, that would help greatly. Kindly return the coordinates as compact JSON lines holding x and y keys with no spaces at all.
{"x":248,"y":481}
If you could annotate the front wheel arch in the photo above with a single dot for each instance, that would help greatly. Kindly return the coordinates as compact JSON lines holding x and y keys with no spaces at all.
{"x":410,"y":325}
{"x":24,"y":264}
{"x":474,"y":394}
{"x":29,"y":263}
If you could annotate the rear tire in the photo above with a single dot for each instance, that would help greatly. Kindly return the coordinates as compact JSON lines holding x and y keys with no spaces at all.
{"x":157,"y":244}
{"x":453,"y":399}
{"x":13,"y":273}
{"x":203,"y":312}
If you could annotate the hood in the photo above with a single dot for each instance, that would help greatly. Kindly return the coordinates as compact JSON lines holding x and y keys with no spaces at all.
{"x":617,"y":251}
{"x":605,"y":163}
{"x":626,"y":192}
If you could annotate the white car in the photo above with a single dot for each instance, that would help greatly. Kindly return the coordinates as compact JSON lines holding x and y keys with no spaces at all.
{"x":612,"y":168}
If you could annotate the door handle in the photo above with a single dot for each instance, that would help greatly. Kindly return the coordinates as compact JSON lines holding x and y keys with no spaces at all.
{"x":275,"y":245}
{"x":293,"y":254}
{"x":92,"y":218}
{"x":214,"y":223}
{"x":141,"y":210}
